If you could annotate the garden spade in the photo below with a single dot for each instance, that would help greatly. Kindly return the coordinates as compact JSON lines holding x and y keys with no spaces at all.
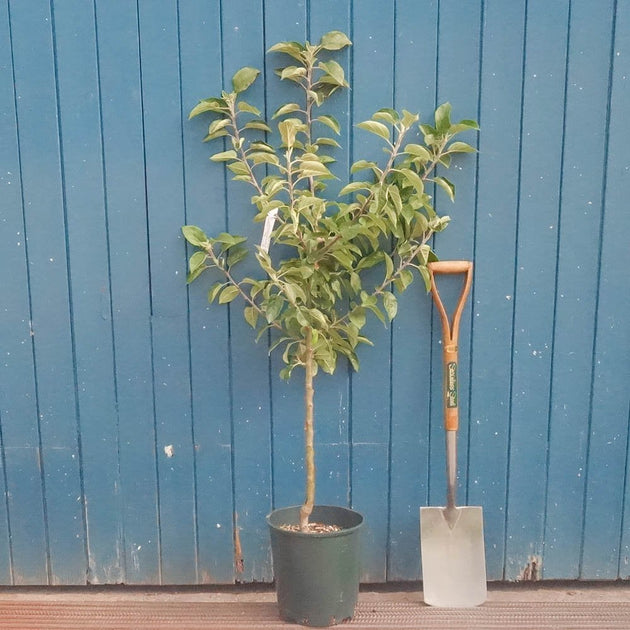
{"x":451,"y":537}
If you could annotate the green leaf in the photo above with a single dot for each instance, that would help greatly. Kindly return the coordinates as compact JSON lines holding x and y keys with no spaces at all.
{"x":417,"y":150}
{"x":310,"y":168}
{"x":251,"y":316}
{"x":355,"y":282}
{"x":369,"y":261}
{"x":238,"y":168}
{"x":214,"y":291}
{"x":354,"y":361}
{"x":290,"y":48}
{"x":318,"y":317}
{"x":334,"y":70}
{"x":262,"y":146}
{"x":260,"y":157}
{"x":334,"y":40}
{"x":236,"y":255}
{"x":394,"y":195}
{"x":257,"y":124}
{"x":228,"y":294}
{"x":357,"y":317}
{"x":328,"y":142}
{"x":208,"y":105}
{"x":360,"y":165}
{"x":217,"y":125}
{"x":217,"y":134}
{"x":286,"y":109}
{"x":424,"y":255}
{"x":389,"y":266}
{"x":224,"y":156}
{"x":387,"y":114}
{"x":273,"y":308}
{"x":420,"y":225}
{"x":285,"y":372}
{"x":390,"y":303}
{"x":443,"y":117}
{"x":426,"y":276}
{"x":431,"y":139}
{"x":445,"y":160}
{"x":413,"y":178}
{"x":460,"y":147}
{"x":447,"y":186}
{"x":293,"y":73}
{"x":196,"y":261}
{"x":409,"y":118}
{"x":376,"y":128}
{"x":196,"y":273}
{"x":344,"y":257}
{"x":404,"y":280}
{"x":353,"y":187}
{"x":194,"y":235}
{"x":330,"y":121}
{"x":440,"y":223}
{"x":288,"y":129}
{"x":229,"y":239}
{"x":246,"y":107}
{"x":244,"y":78}
{"x":464,"y":125}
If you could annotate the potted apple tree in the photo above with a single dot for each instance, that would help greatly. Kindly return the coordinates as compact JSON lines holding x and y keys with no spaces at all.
{"x":313,"y":294}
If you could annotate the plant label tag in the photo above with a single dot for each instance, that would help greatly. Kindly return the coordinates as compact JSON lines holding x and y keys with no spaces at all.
{"x":270,"y":220}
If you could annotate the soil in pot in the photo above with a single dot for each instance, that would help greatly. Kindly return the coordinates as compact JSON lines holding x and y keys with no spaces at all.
{"x":312,"y":528}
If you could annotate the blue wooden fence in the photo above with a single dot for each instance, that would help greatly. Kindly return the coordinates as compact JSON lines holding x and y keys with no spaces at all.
{"x":144,"y":436}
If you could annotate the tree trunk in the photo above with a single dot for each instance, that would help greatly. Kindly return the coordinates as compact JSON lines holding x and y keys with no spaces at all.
{"x":309,"y":455}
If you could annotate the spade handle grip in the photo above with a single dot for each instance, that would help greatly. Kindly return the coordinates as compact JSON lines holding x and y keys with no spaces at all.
{"x":450,"y":335}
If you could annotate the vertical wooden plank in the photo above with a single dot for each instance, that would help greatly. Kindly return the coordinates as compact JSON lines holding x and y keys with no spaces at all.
{"x":200,"y":40}
{"x":17,"y":379}
{"x":497,"y":201}
{"x":242,"y":40}
{"x":577,"y":278}
{"x":568,"y":438}
{"x":457,"y":83}
{"x":568,"y":427}
{"x":286,"y":21}
{"x":123,"y":156}
{"x":49,"y":329}
{"x":608,"y":455}
{"x":372,"y":88}
{"x":615,"y":250}
{"x":535,"y":287}
{"x":333,"y":396}
{"x":79,"y":118}
{"x":289,"y":21}
{"x":415,"y":90}
{"x":159,"y":54}
{"x":325,"y":16}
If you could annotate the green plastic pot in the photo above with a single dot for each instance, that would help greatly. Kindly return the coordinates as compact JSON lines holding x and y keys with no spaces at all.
{"x":316,"y":575}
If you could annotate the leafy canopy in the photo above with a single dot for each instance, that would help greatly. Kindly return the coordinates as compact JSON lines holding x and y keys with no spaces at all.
{"x":318,"y":286}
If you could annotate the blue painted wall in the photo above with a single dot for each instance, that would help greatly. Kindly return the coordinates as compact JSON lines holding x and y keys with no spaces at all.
{"x":142,"y":432}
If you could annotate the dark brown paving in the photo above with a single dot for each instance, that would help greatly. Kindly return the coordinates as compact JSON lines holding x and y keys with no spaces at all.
{"x":38,"y":613}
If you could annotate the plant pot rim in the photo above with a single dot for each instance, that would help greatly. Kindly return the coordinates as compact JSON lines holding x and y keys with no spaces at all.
{"x":342,"y":532}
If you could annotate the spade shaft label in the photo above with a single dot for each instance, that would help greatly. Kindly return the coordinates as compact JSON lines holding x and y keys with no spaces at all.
{"x":451,"y":384}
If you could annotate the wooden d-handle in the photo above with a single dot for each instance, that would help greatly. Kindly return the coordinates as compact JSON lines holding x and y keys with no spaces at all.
{"x":450,"y":266}
{"x":450,"y":335}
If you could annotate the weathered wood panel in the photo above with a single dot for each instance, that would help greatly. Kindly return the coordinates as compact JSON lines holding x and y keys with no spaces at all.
{"x":144,"y":436}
